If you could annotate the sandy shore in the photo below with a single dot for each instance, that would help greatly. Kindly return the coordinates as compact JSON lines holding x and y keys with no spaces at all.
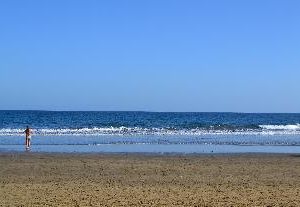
{"x":30,"y":179}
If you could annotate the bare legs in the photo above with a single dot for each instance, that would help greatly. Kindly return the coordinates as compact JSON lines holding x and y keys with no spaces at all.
{"x":27,"y":143}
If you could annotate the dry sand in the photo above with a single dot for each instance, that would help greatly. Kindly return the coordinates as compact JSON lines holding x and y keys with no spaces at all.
{"x":31,"y":179}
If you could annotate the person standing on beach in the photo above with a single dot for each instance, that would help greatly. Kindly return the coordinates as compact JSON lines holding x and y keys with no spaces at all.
{"x":27,"y":137}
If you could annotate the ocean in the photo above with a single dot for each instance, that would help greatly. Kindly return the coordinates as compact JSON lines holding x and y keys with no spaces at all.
{"x":151,"y":132}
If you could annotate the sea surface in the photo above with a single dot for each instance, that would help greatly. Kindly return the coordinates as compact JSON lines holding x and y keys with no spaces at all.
{"x":151,"y":132}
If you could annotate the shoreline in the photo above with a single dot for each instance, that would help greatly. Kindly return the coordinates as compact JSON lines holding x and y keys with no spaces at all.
{"x":155,"y":148}
{"x":150,"y":154}
{"x":99,"y":179}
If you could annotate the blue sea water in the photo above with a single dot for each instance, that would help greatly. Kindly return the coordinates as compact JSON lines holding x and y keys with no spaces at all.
{"x":151,"y":132}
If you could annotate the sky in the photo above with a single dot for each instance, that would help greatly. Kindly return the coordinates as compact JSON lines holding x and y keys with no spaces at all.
{"x":152,"y":55}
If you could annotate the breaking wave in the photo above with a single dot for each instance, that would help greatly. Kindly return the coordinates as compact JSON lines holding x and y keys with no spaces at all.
{"x":288,"y":127}
{"x":259,"y":130}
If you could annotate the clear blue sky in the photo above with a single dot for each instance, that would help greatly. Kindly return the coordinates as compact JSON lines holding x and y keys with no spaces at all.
{"x":153,"y":55}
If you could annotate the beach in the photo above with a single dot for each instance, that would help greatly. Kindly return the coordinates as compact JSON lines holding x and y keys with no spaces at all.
{"x":66,"y":179}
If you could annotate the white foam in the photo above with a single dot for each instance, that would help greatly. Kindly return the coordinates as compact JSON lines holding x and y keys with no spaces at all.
{"x":265,"y":130}
{"x":288,"y":127}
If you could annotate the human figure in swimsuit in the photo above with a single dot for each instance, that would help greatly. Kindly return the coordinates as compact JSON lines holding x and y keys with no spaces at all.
{"x":27,"y":137}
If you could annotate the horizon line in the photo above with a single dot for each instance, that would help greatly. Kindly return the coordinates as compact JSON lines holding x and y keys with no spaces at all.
{"x":149,"y":111}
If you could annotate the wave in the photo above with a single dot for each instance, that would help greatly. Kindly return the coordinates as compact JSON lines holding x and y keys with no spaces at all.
{"x":260,"y":130}
{"x":288,"y":127}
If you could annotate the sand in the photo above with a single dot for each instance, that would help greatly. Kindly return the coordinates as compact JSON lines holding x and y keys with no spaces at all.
{"x":33,"y":179}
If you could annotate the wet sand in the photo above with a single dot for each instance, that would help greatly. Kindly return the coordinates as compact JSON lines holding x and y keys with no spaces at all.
{"x":33,"y":179}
